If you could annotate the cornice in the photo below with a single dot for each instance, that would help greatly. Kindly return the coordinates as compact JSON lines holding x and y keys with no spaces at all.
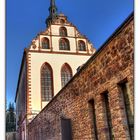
{"x":57,"y":52}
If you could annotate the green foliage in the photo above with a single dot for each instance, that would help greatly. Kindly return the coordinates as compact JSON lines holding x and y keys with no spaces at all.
{"x":10,"y":118}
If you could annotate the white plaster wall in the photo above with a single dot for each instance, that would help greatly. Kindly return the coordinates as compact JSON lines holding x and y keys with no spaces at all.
{"x":55,"y":43}
{"x":55,"y":29}
{"x":56,"y":61}
{"x":70,"y":31}
{"x":21,"y":100}
{"x":21,"y":94}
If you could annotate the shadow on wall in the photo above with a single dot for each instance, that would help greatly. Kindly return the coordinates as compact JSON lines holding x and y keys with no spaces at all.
{"x":11,"y":136}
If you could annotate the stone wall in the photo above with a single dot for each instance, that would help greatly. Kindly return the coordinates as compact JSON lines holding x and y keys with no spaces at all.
{"x":102,"y":76}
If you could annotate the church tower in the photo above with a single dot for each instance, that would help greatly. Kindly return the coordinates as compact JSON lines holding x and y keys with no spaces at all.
{"x":48,"y":64}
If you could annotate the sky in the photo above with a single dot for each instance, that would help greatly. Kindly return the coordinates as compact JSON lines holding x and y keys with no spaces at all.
{"x":97,"y":19}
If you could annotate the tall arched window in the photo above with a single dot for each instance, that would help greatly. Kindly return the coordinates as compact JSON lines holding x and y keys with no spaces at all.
{"x":66,"y":74}
{"x":81,"y":45}
{"x":46,"y":82}
{"x":64,"y":44}
{"x":63,"y":31}
{"x":45,"y":43}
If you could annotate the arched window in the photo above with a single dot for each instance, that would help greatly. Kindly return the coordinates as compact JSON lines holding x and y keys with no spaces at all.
{"x":63,"y":31}
{"x":46,"y":82}
{"x":45,"y":43}
{"x":81,"y":45}
{"x":66,"y":74}
{"x":64,"y":44}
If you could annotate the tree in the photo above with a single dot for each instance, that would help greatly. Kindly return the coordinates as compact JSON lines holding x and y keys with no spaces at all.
{"x":10,"y":118}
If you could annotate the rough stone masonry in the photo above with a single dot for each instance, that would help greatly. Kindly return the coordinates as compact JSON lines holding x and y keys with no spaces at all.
{"x":99,"y":99}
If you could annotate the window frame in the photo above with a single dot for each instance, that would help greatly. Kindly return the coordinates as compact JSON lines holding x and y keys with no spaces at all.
{"x":93,"y":117}
{"x":43,"y":41}
{"x":64,"y":79}
{"x":124,"y":89}
{"x":63,"y":31}
{"x":107,"y":113}
{"x":65,"y":46}
{"x":46,"y":97}
{"x":82,"y":47}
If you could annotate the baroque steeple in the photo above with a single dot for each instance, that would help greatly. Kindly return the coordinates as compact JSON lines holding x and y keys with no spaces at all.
{"x":52,"y":12}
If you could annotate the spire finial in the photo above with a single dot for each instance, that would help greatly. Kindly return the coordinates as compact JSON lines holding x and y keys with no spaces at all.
{"x":52,"y":2}
{"x":52,"y":11}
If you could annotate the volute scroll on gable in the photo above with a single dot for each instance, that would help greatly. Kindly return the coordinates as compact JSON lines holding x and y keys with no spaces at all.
{"x":34,"y":44}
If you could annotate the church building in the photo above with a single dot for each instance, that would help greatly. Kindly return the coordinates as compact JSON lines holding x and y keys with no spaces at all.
{"x":51,"y":60}
{"x":98,"y":102}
